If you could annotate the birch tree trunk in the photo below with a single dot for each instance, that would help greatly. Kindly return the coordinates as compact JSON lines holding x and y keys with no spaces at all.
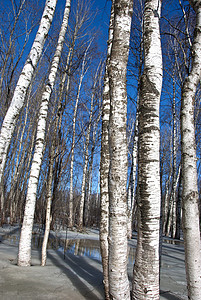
{"x":171,"y":220}
{"x":118,"y":247}
{"x":86,"y":157}
{"x":49,"y":199}
{"x":23,"y":83}
{"x":24,"y":255}
{"x":17,"y":166}
{"x":54,"y":149}
{"x":174,"y":164}
{"x":55,"y":152}
{"x":146,"y":268}
{"x":190,"y":198}
{"x":165,"y":205}
{"x":179,"y":201}
{"x":83,"y":72}
{"x":104,"y":166}
{"x":131,"y":201}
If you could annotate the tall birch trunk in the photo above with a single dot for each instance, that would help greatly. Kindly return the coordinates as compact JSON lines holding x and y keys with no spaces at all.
{"x":104,"y":166}
{"x":179,"y":201}
{"x":23,"y":83}
{"x":24,"y":255}
{"x":25,"y":174}
{"x":165,"y":204}
{"x":146,"y":268}
{"x":171,"y":220}
{"x":54,"y":153}
{"x":118,"y":244}
{"x":49,"y":199}
{"x":83,"y":72}
{"x":174,"y":164}
{"x":190,"y":198}
{"x":131,"y":202}
{"x":54,"y":149}
{"x":19,"y":161}
{"x":86,"y":157}
{"x":67,"y":71}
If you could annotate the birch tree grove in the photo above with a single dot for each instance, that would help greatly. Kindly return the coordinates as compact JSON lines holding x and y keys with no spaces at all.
{"x":191,"y":229}
{"x":102,"y":139}
{"x":118,"y":248}
{"x":146,"y":268}
{"x":23,"y":83}
{"x":24,"y":255}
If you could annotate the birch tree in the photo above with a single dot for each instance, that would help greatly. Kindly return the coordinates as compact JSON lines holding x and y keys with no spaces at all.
{"x":86,"y":155}
{"x":104,"y":166}
{"x":84,"y":69}
{"x":55,"y":149}
{"x":118,"y":248}
{"x":131,"y":197}
{"x":82,"y":17}
{"x":95,"y":136}
{"x":24,"y":254}
{"x":190,"y":198}
{"x":146,"y":267}
{"x":23,"y":83}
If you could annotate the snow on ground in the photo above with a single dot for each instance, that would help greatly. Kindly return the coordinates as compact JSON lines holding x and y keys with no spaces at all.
{"x":79,"y":275}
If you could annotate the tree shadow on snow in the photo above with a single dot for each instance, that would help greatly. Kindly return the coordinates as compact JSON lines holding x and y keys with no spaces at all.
{"x":169,"y":296}
{"x":85,"y":277}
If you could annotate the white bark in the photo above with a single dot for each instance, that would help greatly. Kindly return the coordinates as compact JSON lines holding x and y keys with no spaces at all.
{"x":190,"y":196}
{"x":146,"y":268}
{"x":54,"y":149}
{"x":178,"y":224}
{"x":118,"y":247}
{"x":104,"y":167}
{"x":24,"y":80}
{"x":24,"y":255}
{"x":49,"y":203}
{"x":17,"y":165}
{"x":174,"y":165}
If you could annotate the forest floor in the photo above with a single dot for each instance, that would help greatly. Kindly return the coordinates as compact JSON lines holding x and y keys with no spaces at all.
{"x":78,"y":276}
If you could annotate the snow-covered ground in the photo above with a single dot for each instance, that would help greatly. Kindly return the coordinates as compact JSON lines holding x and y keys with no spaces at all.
{"x":79,"y":275}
